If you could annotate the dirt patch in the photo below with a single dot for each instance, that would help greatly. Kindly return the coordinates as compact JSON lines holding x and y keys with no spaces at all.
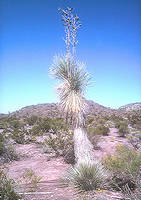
{"x":51,"y":170}
{"x":33,"y":158}
{"x":108,"y":144}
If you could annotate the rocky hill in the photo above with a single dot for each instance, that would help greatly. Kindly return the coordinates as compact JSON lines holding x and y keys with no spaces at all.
{"x":53,"y":110}
{"x":131,"y":107}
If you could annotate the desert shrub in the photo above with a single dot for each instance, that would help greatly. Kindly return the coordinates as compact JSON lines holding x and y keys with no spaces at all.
{"x":123,"y":130}
{"x":135,"y":140}
{"x":122,"y":126}
{"x":45,"y":125}
{"x":89,"y":120}
{"x":20,"y":136}
{"x":125,"y":165}
{"x":95,"y":121}
{"x":94,"y":139}
{"x":32,"y":120}
{"x":135,"y":120}
{"x":115,"y":118}
{"x":101,"y":120}
{"x":87,"y":176}
{"x":59,"y":141}
{"x":7,"y":188}
{"x":107,"y":118}
{"x":7,"y":151}
{"x":8,"y":118}
{"x":10,"y":121}
{"x":9,"y":154}
{"x":62,"y":144}
{"x":110,"y":124}
{"x":36,"y":130}
{"x":58,"y":124}
{"x":98,"y":130}
{"x":3,"y":125}
{"x":16,"y":124}
{"x":2,"y":146}
{"x":118,"y":123}
{"x":69,"y":156}
{"x":31,"y":178}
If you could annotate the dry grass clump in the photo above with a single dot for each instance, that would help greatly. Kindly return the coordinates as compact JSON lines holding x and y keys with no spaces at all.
{"x":31,"y":179}
{"x":87,"y":176}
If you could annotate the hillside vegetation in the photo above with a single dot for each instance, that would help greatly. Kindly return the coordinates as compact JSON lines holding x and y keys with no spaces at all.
{"x":41,"y":132}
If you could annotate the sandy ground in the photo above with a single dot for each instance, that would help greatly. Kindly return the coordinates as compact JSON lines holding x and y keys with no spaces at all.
{"x":108,"y":144}
{"x":32,"y":157}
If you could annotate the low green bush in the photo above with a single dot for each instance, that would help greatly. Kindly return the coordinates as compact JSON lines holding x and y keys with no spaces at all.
{"x":125,"y":165}
{"x":2,"y":145}
{"x":9,"y":154}
{"x":7,"y":188}
{"x":98,"y":130}
{"x":18,"y":135}
{"x":122,"y":126}
{"x":32,"y":120}
{"x":69,"y":156}
{"x":117,"y":123}
{"x":3,"y":125}
{"x":7,"y":151}
{"x":62,"y":144}
{"x":116,"y":118}
{"x":101,"y":120}
{"x":8,"y":118}
{"x":36,"y":130}
{"x":89,"y":120}
{"x":16,"y":124}
{"x":10,"y":121}
{"x":45,"y":125}
{"x":94,"y":139}
{"x":95,"y":121}
{"x":135,"y":119}
{"x":123,"y":130}
{"x":32,"y":180}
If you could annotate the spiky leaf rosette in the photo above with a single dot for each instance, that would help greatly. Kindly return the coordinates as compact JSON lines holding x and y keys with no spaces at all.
{"x":87,"y":176}
{"x":73,"y":82}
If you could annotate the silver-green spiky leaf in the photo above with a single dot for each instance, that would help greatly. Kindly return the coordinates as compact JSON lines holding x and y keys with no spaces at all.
{"x":73,"y":82}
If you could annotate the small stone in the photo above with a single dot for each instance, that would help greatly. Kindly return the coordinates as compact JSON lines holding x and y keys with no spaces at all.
{"x":48,"y":158}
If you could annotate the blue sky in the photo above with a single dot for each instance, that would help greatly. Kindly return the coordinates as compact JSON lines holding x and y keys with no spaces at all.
{"x":109,"y":43}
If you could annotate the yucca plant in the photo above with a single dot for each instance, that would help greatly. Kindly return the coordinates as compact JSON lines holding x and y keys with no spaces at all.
{"x":87,"y":176}
{"x":130,"y":194}
{"x":73,"y":82}
{"x":74,"y":79}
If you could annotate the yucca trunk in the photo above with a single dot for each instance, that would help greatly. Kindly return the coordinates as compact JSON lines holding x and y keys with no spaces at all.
{"x":74,"y":81}
{"x":82,"y":146}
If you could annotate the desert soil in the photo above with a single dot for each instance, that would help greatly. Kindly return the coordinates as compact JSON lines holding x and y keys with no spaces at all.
{"x":52,"y":169}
